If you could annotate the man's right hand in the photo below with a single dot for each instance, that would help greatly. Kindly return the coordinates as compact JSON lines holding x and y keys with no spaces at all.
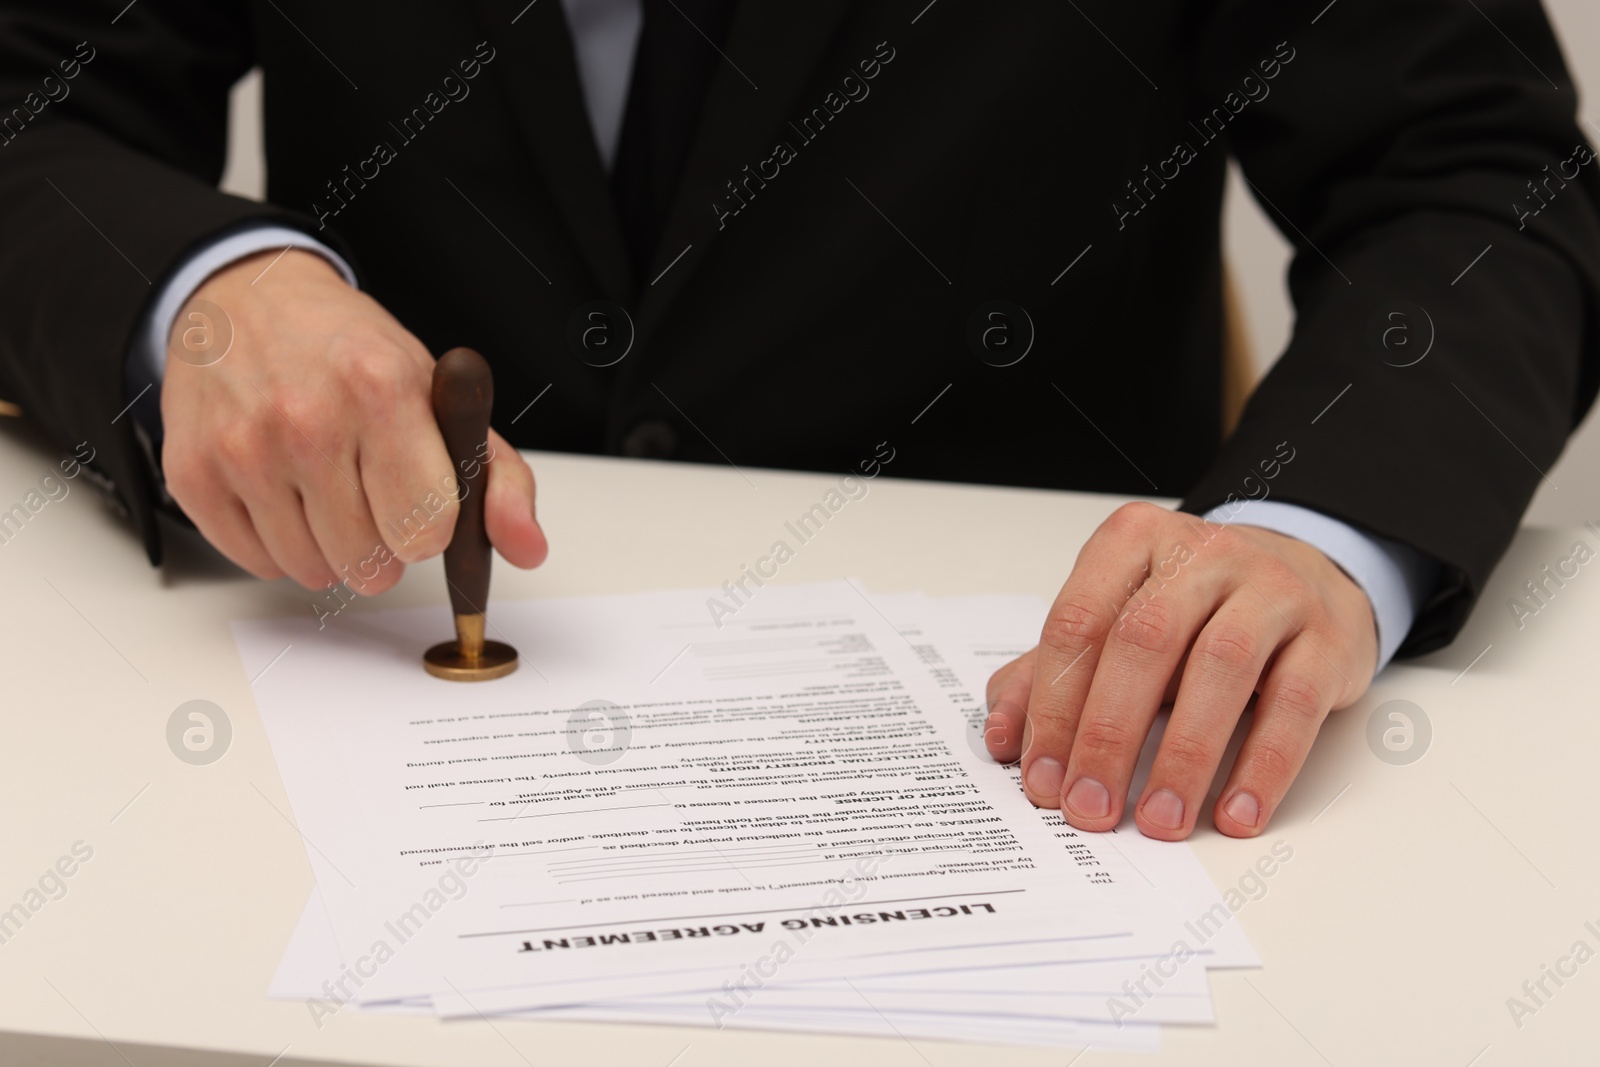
{"x":310,"y":448}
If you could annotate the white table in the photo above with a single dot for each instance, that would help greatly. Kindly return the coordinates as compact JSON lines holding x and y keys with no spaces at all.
{"x":1419,"y":897}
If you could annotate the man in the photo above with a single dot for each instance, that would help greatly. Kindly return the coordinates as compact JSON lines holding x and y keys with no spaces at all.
{"x":778,"y":234}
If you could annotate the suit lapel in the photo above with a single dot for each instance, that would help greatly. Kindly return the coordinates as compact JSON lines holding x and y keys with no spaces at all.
{"x":540,"y":75}
{"x":776,"y":48}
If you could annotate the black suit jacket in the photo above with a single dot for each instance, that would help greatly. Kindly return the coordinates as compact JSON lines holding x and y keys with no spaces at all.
{"x":868,"y":180}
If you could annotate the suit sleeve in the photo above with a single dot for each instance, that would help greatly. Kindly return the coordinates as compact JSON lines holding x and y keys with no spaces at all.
{"x":111,"y":144}
{"x":1424,"y":158}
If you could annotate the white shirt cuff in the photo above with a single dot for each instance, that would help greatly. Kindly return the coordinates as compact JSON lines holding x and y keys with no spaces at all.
{"x":1396,"y":579}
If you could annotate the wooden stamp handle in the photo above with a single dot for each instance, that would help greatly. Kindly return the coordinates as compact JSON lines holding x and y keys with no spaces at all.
{"x":463,"y":396}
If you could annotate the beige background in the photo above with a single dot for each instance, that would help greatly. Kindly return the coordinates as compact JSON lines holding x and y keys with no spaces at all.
{"x":1257,"y":253}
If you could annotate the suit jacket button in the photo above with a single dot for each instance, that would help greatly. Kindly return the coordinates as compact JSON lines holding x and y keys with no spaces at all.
{"x":651,"y":439}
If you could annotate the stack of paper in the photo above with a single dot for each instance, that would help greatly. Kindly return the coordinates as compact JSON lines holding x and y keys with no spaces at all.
{"x":778,"y":816}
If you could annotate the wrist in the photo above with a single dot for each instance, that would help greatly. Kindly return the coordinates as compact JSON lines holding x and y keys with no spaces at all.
{"x":251,"y":272}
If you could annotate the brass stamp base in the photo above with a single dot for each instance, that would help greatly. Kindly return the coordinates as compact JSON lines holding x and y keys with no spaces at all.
{"x":470,"y":658}
{"x":447,"y":661}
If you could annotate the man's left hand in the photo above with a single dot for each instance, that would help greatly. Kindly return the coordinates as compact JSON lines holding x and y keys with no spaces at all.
{"x":1165,"y":607}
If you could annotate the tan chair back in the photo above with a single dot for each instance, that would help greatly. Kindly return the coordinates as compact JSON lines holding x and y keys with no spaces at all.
{"x":1238,"y":366}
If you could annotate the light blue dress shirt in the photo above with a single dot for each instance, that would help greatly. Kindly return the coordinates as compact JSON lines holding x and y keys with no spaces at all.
{"x":605,"y":35}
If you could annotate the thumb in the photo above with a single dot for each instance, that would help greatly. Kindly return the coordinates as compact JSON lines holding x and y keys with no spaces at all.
{"x":508,"y":513}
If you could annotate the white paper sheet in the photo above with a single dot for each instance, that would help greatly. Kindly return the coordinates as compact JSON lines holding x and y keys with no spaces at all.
{"x":311,"y":964}
{"x":1172,"y":991}
{"x":787,"y":767}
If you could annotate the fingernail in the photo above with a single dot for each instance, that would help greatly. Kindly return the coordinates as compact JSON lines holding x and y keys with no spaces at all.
{"x":1089,"y":799}
{"x":1045,"y":777}
{"x":1165,"y":809}
{"x":1243,"y":809}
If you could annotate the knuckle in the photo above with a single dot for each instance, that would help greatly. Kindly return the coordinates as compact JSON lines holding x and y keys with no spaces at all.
{"x":426,"y":545}
{"x":1219,"y":536}
{"x":374,"y":371}
{"x":1105,"y":738}
{"x":1280,"y":591}
{"x":240,"y":444}
{"x":426,"y":529}
{"x":1187,"y":754}
{"x":387,"y":578}
{"x":1052,"y":719}
{"x":1230,"y":649}
{"x":443,"y":526}
{"x":1229,"y":553}
{"x":1231,"y":542}
{"x":1299,"y":698}
{"x":1273,"y":761}
{"x":1276,"y":575}
{"x":1151,"y":627}
{"x":1075,"y":621}
{"x":1134,"y":520}
{"x":307,"y":414}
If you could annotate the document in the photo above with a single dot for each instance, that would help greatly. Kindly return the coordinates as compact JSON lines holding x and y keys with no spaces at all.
{"x":312,"y":963}
{"x":659,"y":794}
{"x":1077,"y":991}
{"x":786,"y":820}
